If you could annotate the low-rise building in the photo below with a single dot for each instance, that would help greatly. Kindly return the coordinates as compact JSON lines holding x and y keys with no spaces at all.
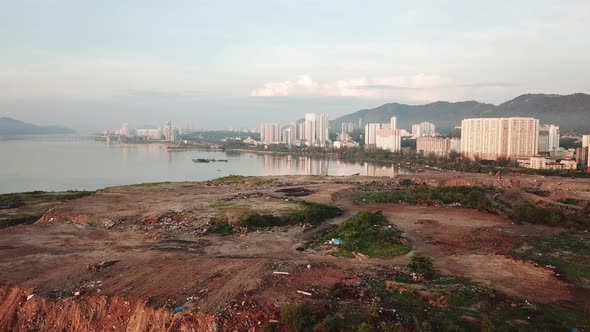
{"x":569,"y":164}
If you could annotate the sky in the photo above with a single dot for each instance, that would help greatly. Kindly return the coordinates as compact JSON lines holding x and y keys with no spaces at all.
{"x":218,"y":64}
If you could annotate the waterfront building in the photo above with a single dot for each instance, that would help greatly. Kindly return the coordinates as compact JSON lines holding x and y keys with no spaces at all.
{"x":440,"y":146}
{"x":270,"y":133}
{"x":150,"y":134}
{"x":548,"y":138}
{"x":388,"y":139}
{"x":124,"y":131}
{"x":493,"y":138}
{"x":371,"y":134}
{"x":345,"y":144}
{"x":316,"y":130}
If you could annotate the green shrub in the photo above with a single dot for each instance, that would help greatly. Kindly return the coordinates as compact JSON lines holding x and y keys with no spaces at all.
{"x":310,"y":213}
{"x":220,"y":227}
{"x":471,"y":197}
{"x":296,"y":317}
{"x":368,"y":233}
{"x":421,"y":264}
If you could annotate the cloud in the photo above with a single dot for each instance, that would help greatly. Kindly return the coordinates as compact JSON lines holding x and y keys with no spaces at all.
{"x":378,"y":88}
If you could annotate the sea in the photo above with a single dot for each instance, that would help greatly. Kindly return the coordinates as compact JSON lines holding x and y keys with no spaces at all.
{"x":60,"y":163}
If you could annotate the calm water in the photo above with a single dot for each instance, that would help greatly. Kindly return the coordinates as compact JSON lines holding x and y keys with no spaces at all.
{"x":75,"y":163}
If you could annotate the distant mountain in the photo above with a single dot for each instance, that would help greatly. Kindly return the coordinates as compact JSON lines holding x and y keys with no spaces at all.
{"x":571,"y":113}
{"x":9,"y":126}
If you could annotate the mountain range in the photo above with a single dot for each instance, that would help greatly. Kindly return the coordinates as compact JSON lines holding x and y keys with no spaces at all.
{"x":10,"y":126}
{"x":570,"y":112}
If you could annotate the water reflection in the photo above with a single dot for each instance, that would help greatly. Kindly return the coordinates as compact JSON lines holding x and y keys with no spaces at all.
{"x":303,"y":165}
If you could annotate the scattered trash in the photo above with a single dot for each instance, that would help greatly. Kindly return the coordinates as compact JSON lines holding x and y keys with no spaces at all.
{"x":77,"y":294}
{"x":336,"y":242}
{"x":279,"y":272}
{"x":178,"y":309}
{"x":30,"y":296}
{"x":303,"y":293}
{"x":309,"y":266}
{"x":100,"y":266}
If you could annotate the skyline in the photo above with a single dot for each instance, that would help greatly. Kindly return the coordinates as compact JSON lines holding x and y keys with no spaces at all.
{"x":270,"y":61}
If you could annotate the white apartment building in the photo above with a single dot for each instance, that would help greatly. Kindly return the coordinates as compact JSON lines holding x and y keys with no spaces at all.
{"x":492,"y":138}
{"x":585,"y":141}
{"x":388,"y":139}
{"x":393,"y":122}
{"x":416,"y":130}
{"x":371,"y":133}
{"x":155,"y":134}
{"x":316,"y":130}
{"x":270,"y":133}
{"x":440,"y":146}
{"x":548,"y":138}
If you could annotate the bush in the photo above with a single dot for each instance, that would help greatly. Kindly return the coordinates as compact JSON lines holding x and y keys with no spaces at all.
{"x":368,"y":233}
{"x":421,"y":264}
{"x":220,"y":227}
{"x":311,"y":213}
{"x":296,"y":317}
{"x":471,"y":197}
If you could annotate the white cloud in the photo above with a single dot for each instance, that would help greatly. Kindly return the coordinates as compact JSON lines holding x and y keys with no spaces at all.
{"x":419,"y":87}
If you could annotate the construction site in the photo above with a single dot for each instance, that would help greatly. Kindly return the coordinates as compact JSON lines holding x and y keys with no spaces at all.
{"x":303,"y":253}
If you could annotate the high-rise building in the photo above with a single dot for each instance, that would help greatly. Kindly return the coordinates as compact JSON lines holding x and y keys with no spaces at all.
{"x":492,"y":138}
{"x":416,"y":130}
{"x":270,"y":133}
{"x":316,"y":129}
{"x":388,"y":139}
{"x":585,"y":141}
{"x":124,"y":131}
{"x":427,"y":129}
{"x":548,"y":138}
{"x":169,"y":132}
{"x":371,"y":133}
{"x":393,"y":122}
{"x":347,"y":127}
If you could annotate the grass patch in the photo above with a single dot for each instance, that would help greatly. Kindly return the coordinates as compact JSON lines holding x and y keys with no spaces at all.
{"x":569,"y":200}
{"x":220,"y":227}
{"x":550,"y":216}
{"x":24,"y":219}
{"x":568,"y":252}
{"x":471,"y":197}
{"x":308,"y":213}
{"x":239,"y":179}
{"x":370,"y":234}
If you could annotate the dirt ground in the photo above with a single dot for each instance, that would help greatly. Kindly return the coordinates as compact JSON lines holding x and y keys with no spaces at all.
{"x":61,"y":255}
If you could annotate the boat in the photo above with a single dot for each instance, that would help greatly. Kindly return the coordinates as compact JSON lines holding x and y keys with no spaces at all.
{"x":209,"y":160}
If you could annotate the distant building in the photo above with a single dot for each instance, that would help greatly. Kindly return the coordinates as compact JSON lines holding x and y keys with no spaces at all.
{"x":569,"y":164}
{"x":270,"y":133}
{"x":548,"y":138}
{"x":316,"y":130}
{"x":393,"y":122}
{"x":150,"y":134}
{"x":493,"y":138}
{"x":169,"y":134}
{"x":423,"y":129}
{"x":561,"y":153}
{"x":124,"y":131}
{"x":440,"y":146}
{"x":416,"y":130}
{"x":585,"y":141}
{"x":371,"y":134}
{"x":388,"y":139}
{"x":582,"y":156}
{"x":347,"y":127}
{"x":345,"y":144}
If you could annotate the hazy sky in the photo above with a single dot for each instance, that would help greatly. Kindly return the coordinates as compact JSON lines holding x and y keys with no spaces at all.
{"x":94,"y":64}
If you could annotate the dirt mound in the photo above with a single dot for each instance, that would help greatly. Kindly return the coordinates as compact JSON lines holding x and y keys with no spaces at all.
{"x":24,"y":311}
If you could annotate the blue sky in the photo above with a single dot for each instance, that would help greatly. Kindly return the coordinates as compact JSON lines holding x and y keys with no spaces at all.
{"x":93,"y":64}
